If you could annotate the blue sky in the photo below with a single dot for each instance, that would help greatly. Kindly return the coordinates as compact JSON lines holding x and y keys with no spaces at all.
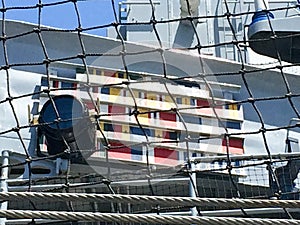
{"x":92,"y":12}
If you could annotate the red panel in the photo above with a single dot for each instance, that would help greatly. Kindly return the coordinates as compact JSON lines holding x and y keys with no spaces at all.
{"x":165,"y":156}
{"x":166,"y":134}
{"x":89,"y":105}
{"x":219,"y":105}
{"x":109,"y":73}
{"x":117,"y":128}
{"x":55,"y":83}
{"x":167,"y":116}
{"x":116,"y":109}
{"x":121,"y":152}
{"x":202,"y":102}
{"x":235,"y":146}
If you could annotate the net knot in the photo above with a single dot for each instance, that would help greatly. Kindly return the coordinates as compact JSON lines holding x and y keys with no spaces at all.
{"x":251,"y":100}
{"x":81,"y":56}
{"x":39,"y":5}
{"x":5,"y":67}
{"x":9,"y":99}
{"x":3,"y":38}
{"x":227,"y":14}
{"x":46,"y":61}
{"x":79,"y":29}
{"x":46,"y":91}
{"x":37,"y":30}
{"x":274,"y":37}
{"x":263,"y":130}
{"x":288,"y":95}
{"x":114,"y":24}
{"x":153,"y":21}
{"x":16,"y":129}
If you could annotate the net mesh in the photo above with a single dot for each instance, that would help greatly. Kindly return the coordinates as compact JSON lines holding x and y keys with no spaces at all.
{"x":144,"y":126}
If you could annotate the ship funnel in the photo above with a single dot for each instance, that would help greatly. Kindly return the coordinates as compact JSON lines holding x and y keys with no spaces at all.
{"x":66,"y":125}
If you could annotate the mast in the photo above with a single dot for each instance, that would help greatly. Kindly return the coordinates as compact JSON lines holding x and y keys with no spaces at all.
{"x":261,"y":5}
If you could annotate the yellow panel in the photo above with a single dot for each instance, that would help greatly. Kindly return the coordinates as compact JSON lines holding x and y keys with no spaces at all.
{"x":151,"y":100}
{"x":125,"y":135}
{"x":136,"y":94}
{"x":113,"y":98}
{"x":158,"y":133}
{"x":186,"y":101}
{"x":151,"y":96}
{"x":234,"y":107}
{"x":145,"y":115}
{"x":114,"y":91}
{"x":125,"y":128}
{"x":168,"y":98}
{"x":143,"y":120}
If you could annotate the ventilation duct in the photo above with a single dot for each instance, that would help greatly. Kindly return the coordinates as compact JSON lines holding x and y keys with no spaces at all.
{"x":189,"y":8}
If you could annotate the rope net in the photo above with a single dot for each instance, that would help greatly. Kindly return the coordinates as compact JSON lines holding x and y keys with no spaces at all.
{"x":187,"y":114}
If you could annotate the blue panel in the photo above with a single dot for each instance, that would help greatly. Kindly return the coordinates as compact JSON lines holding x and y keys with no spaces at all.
{"x":191,"y":119}
{"x":44,"y":82}
{"x":121,"y":75}
{"x":66,"y":85}
{"x":137,"y":153}
{"x":233,"y":125}
{"x":138,"y":131}
{"x":192,"y":101}
{"x":237,"y":163}
{"x":108,"y":127}
{"x":105,"y":90}
{"x":173,"y":135}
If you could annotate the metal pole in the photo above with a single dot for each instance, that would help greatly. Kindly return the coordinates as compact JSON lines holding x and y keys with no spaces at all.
{"x":3,"y":183}
{"x":193,"y":186}
{"x":261,"y":5}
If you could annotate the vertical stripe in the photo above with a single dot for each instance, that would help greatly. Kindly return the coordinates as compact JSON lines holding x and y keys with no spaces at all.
{"x":55,"y":83}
